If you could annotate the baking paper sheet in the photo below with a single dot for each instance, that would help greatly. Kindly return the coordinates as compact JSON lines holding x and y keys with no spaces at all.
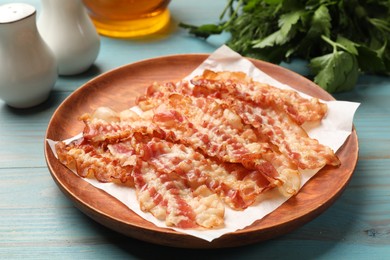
{"x":333,"y":131}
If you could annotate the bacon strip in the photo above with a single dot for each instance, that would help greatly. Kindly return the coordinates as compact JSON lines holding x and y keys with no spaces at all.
{"x":238,"y":186}
{"x":228,"y":147}
{"x":268,"y":118}
{"x":93,"y":162}
{"x":237,"y":194}
{"x":161,"y":193}
{"x":239,"y":86}
{"x":187,"y":205}
{"x":170,"y":199}
{"x":290,"y":138}
{"x":219,"y":132}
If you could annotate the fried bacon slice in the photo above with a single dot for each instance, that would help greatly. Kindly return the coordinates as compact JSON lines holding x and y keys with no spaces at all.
{"x":240,"y":86}
{"x":269,"y":119}
{"x":171,"y":123}
{"x":215,"y":129}
{"x":89,"y":161}
{"x":220,"y":143}
{"x":290,"y":138}
{"x":107,"y":125}
{"x":236,"y":185}
{"x":192,"y":165}
{"x":162,"y":194}
{"x":220,"y":133}
{"x":170,"y":199}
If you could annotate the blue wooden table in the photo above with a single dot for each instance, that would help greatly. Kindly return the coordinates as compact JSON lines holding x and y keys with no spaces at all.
{"x":38,"y":221}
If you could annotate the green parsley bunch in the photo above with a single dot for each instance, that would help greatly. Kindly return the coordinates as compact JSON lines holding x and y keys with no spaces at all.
{"x":339,"y":38}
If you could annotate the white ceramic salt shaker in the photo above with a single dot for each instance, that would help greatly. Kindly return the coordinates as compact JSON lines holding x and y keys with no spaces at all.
{"x":28,"y":68}
{"x":68,"y":30}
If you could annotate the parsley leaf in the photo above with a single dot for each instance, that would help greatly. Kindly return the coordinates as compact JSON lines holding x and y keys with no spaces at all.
{"x":370,"y":61}
{"x":203,"y":31}
{"x":281,"y":36}
{"x":336,"y":72}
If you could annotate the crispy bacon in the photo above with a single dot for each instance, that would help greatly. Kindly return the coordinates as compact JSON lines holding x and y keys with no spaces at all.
{"x":268,"y":118}
{"x":188,"y":201}
{"x":238,"y":85}
{"x":290,"y":138}
{"x":167,"y":197}
{"x":170,"y":199}
{"x":97,"y":130}
{"x":90,"y":161}
{"x":216,"y":139}
{"x":224,"y":138}
{"x":219,"y":132}
{"x":238,"y":186}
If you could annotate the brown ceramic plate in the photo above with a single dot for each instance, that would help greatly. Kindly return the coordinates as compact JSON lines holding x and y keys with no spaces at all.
{"x":118,"y":89}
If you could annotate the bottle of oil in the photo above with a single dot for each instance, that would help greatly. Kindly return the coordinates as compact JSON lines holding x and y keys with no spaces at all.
{"x":128,"y":18}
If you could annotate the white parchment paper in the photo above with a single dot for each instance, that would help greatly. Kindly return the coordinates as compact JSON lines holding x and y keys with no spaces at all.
{"x":333,"y":131}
